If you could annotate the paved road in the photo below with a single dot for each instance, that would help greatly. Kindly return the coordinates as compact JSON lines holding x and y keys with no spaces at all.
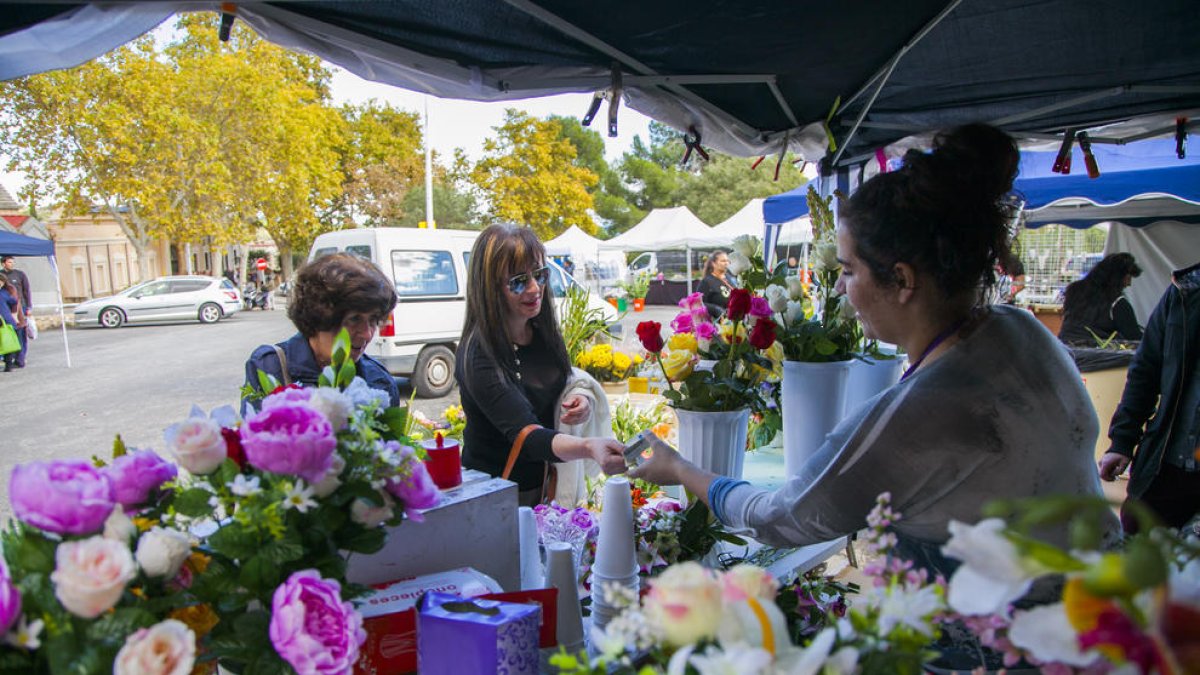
{"x":135,"y":381}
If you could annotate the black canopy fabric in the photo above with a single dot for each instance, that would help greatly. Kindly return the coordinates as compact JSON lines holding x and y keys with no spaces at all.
{"x":750,"y":77}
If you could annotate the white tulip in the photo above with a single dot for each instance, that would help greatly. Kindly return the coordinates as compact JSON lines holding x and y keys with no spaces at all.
{"x":825,"y":257}
{"x":794,"y":312}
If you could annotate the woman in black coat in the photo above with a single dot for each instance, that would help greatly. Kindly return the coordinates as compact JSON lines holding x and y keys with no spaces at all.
{"x":714,"y":288}
{"x":1095,"y":307}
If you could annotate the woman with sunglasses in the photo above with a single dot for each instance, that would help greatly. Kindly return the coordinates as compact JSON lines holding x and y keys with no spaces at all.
{"x":512,"y":369}
{"x":330,"y":293}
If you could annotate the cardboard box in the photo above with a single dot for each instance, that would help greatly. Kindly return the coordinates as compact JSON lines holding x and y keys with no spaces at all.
{"x":475,"y":525}
{"x":390,"y":617}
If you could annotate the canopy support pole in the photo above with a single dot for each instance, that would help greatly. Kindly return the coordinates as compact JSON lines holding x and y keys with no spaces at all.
{"x":62,"y":318}
{"x":887,"y":73}
{"x":688,"y":252}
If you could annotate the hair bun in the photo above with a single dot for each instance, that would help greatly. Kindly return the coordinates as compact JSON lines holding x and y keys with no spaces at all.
{"x":980,"y":158}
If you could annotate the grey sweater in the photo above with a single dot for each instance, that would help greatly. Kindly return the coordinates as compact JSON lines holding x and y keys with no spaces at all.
{"x":1002,"y":414}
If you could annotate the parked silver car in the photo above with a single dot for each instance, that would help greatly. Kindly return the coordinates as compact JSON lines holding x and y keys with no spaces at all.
{"x":206,"y":299}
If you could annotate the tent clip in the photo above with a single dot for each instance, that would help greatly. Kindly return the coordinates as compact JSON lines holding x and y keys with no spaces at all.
{"x":692,"y":141}
{"x":1089,"y":160}
{"x":614,"y":101}
{"x":228,"y":16}
{"x":1062,"y":163}
{"x":594,"y":107}
{"x":1181,"y":126}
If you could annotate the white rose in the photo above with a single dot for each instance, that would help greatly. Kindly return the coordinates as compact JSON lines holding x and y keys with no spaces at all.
{"x":166,"y":648}
{"x":795,"y":288}
{"x":777,"y":298}
{"x":161,"y":552}
{"x":846,"y":311}
{"x":332,"y":480}
{"x":825,"y":257}
{"x":748,"y":581}
{"x":685,"y":602}
{"x":119,"y":527}
{"x":738,"y":263}
{"x":992,"y":574}
{"x":197,"y":445}
{"x":366,"y":514}
{"x":794,"y":312}
{"x":747,"y":245}
{"x":90,"y":575}
{"x":334,"y":405}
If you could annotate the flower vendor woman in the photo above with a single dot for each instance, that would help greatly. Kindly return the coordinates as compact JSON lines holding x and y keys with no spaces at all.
{"x":512,"y":368}
{"x":332,"y":292}
{"x":991,"y":405}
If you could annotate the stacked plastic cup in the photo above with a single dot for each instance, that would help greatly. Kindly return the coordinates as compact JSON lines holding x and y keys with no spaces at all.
{"x":531,"y":554}
{"x":561,"y":574}
{"x":616,"y":553}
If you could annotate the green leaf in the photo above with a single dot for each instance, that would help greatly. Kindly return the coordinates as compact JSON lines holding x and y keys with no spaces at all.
{"x":363,"y":540}
{"x":282,"y":551}
{"x":193,"y":503}
{"x":28,"y":551}
{"x":1144,"y":564}
{"x":115,"y":625}
{"x":267,"y":383}
{"x":346,"y":374}
{"x":234,"y":541}
{"x":260,"y":575}
{"x":119,"y":449}
{"x":1050,"y":557}
{"x":396,"y":420}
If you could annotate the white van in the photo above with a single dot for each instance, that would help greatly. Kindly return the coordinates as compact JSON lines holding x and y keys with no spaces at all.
{"x":429,"y":268}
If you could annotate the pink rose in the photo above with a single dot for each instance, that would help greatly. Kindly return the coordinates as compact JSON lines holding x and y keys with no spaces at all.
{"x":10,"y":599}
{"x":166,"y":648}
{"x":63,"y":496}
{"x":683,"y":323}
{"x":706,"y":331}
{"x":197,"y":444}
{"x":759,"y":306}
{"x":287,"y":396}
{"x":90,"y":575}
{"x":136,"y":475}
{"x":312,"y":628}
{"x":291,"y":440}
{"x":693,"y":302}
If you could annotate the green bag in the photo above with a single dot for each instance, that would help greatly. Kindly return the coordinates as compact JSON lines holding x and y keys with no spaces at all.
{"x":9,"y":342}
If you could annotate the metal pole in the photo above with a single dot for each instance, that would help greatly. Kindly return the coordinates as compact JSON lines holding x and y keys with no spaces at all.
{"x":62,"y":318}
{"x":429,"y":221}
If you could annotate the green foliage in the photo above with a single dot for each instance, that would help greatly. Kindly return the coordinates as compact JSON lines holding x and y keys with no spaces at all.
{"x":580,"y":324}
{"x":628,"y":420}
{"x":638,"y":286}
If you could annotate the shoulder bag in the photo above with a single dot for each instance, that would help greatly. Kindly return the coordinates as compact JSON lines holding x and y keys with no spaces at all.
{"x":549,"y":475}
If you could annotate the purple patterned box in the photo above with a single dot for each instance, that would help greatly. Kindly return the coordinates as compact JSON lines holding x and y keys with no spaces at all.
{"x":457,"y":636}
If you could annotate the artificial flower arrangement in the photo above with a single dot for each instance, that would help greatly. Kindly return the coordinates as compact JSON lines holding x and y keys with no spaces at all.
{"x":741,"y":348}
{"x":136,"y":567}
{"x":451,"y":425}
{"x":606,"y":364}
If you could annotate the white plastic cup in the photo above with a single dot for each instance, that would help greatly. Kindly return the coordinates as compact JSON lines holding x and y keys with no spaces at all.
{"x":560,"y":574}
{"x":616,"y":556}
{"x":531,"y":556}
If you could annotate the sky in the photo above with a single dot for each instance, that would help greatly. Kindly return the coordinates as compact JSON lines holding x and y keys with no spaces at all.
{"x":460,"y":124}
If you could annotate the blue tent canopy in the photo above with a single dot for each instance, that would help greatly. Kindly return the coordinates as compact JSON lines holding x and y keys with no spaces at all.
{"x":786,"y":206}
{"x":18,"y":244}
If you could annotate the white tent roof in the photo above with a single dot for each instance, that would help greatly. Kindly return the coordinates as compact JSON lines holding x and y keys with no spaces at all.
{"x":573,"y":242}
{"x":749,"y":220}
{"x":663,"y":229}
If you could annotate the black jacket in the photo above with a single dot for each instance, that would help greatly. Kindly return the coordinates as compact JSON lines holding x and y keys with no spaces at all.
{"x":1162,"y":365}
{"x":303,"y":368}
{"x":715,"y":294}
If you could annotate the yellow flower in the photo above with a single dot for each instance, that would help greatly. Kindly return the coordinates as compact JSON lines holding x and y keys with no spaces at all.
{"x":726,"y":329}
{"x":144,"y":524}
{"x":1083,"y":612}
{"x":683,"y":341}
{"x":602,"y":357}
{"x":678,"y":364}
{"x":775,"y":354}
{"x":584,"y":360}
{"x":621,"y":363}
{"x":198,"y":562}
{"x":453,"y":413}
{"x":199,"y":618}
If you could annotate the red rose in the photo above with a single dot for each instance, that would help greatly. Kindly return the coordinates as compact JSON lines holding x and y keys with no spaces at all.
{"x":739,"y":304}
{"x":650,"y":333}
{"x":762,"y":335}
{"x":233,"y":446}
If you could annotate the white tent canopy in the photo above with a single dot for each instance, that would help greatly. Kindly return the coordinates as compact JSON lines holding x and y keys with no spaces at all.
{"x":592,"y":263}
{"x":573,"y":242}
{"x":664,"y":229}
{"x":749,"y":220}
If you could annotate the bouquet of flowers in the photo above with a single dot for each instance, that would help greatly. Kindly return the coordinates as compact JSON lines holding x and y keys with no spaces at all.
{"x":451,"y":424}
{"x":742,"y":350}
{"x":606,"y":364}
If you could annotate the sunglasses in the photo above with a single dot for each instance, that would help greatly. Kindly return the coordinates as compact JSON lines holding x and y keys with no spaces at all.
{"x":518,"y":283}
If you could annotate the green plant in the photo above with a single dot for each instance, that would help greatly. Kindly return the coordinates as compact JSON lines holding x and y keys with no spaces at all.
{"x":628,"y":420}
{"x":638,"y":286}
{"x":580,"y":324}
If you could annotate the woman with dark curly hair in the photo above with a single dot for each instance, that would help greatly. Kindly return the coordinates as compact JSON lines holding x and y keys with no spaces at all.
{"x":1095,"y":307}
{"x":991,"y":406}
{"x":512,"y":370}
{"x":330,"y":293}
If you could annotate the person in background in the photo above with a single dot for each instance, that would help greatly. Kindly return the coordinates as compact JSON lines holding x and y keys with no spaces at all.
{"x":512,"y":369}
{"x":1095,"y":307}
{"x":1011,"y":278}
{"x":714,"y":288}
{"x":915,"y":246}
{"x":10,"y":311}
{"x":331,"y":293}
{"x":1156,"y":427}
{"x":20,"y":281}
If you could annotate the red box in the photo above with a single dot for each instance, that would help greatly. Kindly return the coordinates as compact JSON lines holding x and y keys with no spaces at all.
{"x":547,"y":598}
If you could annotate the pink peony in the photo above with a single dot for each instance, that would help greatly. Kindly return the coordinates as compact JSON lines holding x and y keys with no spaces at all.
{"x":287,"y":396}
{"x":63,"y":496}
{"x":136,"y":475}
{"x":292,"y":440}
{"x":415,"y":489}
{"x":683,"y":323}
{"x":10,"y":600}
{"x":312,"y":628}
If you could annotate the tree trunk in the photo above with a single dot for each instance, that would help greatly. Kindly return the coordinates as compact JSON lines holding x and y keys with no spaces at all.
{"x":135,"y":231}
{"x":285,"y":259}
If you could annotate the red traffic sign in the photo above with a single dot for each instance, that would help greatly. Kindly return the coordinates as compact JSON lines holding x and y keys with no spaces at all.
{"x":261,"y":263}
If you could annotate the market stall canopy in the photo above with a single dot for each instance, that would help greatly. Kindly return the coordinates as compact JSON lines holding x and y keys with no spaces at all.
{"x":1139,"y":184}
{"x":750,"y":79}
{"x":20,"y":245}
{"x":786,"y":206}
{"x":662,"y":230}
{"x":573,"y":241}
{"x":749,"y":220}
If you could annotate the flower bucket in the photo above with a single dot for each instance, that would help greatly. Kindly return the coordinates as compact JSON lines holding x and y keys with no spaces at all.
{"x":715,"y":441}
{"x":639,"y":304}
{"x":612,"y":301}
{"x":622,"y":304}
{"x":868,"y":378}
{"x":814,"y":400}
{"x":616,"y":388}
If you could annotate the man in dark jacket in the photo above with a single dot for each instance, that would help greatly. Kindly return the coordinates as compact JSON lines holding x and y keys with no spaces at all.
{"x":17,"y":278}
{"x":1157,"y":424}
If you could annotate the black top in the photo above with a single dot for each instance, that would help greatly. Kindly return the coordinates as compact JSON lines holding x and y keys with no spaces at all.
{"x":498,"y":405}
{"x":716,"y":293}
{"x":1116,"y":318}
{"x":303,"y":368}
{"x":18,"y":279}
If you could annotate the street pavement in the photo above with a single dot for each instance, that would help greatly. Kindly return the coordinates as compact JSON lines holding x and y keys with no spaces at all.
{"x":138,"y":380}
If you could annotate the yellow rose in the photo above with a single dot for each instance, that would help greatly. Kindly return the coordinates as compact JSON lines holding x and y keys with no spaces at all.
{"x":685,"y":602}
{"x":678,"y":364}
{"x":775,"y":354}
{"x":683,"y":341}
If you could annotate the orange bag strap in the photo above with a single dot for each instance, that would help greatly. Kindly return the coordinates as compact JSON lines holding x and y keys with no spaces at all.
{"x":516,"y":448}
